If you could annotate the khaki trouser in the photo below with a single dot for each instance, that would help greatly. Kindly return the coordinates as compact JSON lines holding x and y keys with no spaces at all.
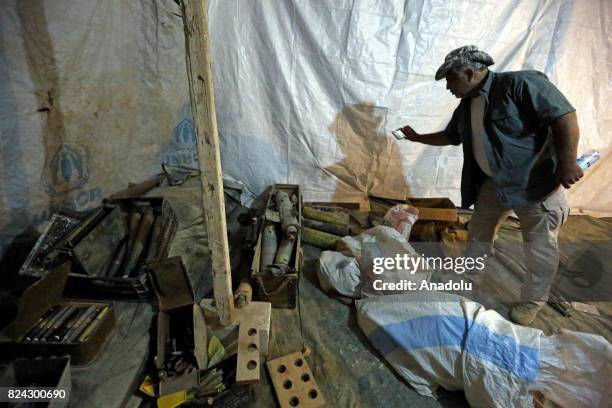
{"x":540,"y":223}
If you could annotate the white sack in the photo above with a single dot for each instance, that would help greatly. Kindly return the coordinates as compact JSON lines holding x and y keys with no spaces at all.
{"x":437,"y":339}
{"x":576,"y":370}
{"x":340,"y":273}
{"x":380,"y":242}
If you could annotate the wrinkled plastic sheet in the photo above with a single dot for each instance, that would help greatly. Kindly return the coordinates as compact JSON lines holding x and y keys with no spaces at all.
{"x":94,"y":94}
{"x":438,"y":339}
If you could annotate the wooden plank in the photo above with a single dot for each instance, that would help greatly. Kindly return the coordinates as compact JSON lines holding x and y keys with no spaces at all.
{"x":437,"y":214}
{"x":257,"y":314}
{"x":199,"y":72}
{"x":434,"y":209}
{"x":294,"y":383}
{"x":249,"y":361}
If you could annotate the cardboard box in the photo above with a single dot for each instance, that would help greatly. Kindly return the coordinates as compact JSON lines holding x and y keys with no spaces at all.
{"x":177,"y":311}
{"x":34,"y":303}
{"x":280,"y":291}
{"x":434,"y":209}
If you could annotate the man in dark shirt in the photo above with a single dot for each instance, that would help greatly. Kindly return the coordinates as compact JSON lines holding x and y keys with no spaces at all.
{"x":520,"y":140}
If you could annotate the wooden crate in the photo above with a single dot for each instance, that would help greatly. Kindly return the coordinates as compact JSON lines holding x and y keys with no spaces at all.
{"x":280,"y":291}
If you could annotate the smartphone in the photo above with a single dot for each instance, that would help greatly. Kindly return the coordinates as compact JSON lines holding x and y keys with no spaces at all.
{"x":398,"y":134}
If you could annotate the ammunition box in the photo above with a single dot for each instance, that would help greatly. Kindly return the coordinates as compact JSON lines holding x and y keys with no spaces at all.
{"x":34,"y":303}
{"x":280,"y":290}
{"x":177,"y":310}
{"x":90,"y":244}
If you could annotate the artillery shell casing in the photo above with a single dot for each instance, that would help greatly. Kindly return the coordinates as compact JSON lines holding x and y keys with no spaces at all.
{"x":269,"y":245}
{"x":287,"y":213}
{"x":75,"y":331}
{"x":138,"y":245}
{"x":326,"y":216}
{"x":319,"y":239}
{"x":114,"y":266}
{"x":73,"y":318}
{"x":58,"y":325}
{"x":340,"y":230}
{"x":65,"y":310}
{"x":285,"y":249}
{"x":42,"y":320}
{"x":94,"y":324}
{"x":133,"y":223}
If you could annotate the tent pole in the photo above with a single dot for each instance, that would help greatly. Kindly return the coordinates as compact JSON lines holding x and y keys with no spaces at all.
{"x":199,"y":72}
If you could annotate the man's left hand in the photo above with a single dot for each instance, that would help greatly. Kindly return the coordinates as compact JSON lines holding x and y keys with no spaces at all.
{"x":568,"y":173}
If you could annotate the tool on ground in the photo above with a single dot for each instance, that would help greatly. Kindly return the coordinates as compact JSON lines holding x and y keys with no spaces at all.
{"x":564,"y":308}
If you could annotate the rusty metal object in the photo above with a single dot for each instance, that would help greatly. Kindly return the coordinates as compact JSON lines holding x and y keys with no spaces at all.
{"x":269,"y":245}
{"x":288,"y":215}
{"x":139,"y":242}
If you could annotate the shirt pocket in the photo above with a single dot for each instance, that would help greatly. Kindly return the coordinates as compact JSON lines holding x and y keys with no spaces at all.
{"x":508,"y":121}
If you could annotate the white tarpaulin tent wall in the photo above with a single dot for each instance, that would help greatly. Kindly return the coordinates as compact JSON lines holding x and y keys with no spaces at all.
{"x":93,"y":94}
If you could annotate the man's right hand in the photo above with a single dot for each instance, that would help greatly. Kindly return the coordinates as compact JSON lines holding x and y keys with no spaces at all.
{"x":411,"y":134}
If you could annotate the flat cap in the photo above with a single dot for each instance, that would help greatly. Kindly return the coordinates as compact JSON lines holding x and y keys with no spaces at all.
{"x":463,"y":56}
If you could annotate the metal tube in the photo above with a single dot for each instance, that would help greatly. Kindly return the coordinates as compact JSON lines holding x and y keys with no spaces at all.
{"x":139,"y":241}
{"x":287,"y":213}
{"x":269,"y":244}
{"x":285,"y":249}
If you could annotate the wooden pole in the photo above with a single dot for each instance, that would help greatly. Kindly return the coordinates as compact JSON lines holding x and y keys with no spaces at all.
{"x":199,"y":72}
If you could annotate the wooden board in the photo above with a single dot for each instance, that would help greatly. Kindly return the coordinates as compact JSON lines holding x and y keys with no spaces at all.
{"x":294,"y":383}
{"x":254,"y":313}
{"x":248,"y":365}
{"x":199,"y":73}
{"x":434,"y":209}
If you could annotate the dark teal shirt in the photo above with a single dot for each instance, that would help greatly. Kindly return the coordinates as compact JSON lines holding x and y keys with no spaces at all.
{"x":519,"y":107}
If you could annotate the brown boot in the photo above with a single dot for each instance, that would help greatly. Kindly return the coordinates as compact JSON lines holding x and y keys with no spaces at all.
{"x":525,"y":313}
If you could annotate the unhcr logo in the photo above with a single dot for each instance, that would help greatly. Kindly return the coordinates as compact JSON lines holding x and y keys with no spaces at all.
{"x":182,"y":149}
{"x":67,"y":170}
